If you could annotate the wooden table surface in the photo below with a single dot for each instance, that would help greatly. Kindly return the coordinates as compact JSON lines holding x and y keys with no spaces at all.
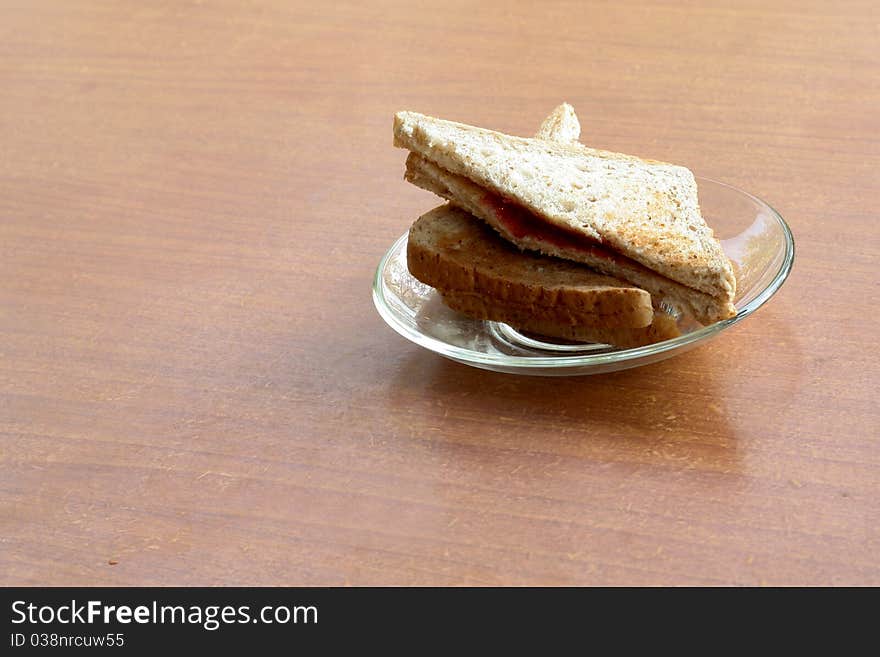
{"x":195,"y":387}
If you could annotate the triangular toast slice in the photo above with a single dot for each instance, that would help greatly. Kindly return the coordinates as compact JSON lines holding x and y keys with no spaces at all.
{"x":492,"y":295}
{"x":615,"y":212}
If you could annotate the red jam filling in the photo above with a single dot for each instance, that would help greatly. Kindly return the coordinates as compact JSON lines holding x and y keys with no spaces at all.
{"x":520,"y":223}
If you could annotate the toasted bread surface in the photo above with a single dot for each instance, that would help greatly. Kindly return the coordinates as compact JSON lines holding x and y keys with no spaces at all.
{"x":644,"y":209}
{"x":663,"y":327}
{"x":561,"y":125}
{"x":466,"y":194}
{"x":453,"y":251}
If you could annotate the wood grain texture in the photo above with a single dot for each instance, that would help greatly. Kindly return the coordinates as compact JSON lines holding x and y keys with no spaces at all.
{"x":196,"y":389}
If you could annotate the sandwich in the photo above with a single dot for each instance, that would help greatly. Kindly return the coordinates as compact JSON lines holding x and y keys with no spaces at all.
{"x":480,"y":275}
{"x":634,"y":219}
{"x":483,"y":276}
{"x":555,"y":238}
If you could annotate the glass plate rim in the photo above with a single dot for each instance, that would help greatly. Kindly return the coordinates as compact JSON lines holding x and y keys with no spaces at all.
{"x":538,"y":362}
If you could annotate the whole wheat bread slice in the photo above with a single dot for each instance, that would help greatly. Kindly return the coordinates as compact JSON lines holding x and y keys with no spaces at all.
{"x":459,"y":255}
{"x":663,"y":326}
{"x":645,"y":210}
{"x":465,"y":194}
{"x":562,"y":125}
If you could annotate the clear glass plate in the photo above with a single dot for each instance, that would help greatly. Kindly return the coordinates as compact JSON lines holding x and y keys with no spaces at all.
{"x":754,"y":236}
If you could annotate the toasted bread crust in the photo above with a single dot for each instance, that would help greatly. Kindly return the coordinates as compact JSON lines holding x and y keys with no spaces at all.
{"x":453,"y":251}
{"x":561,"y":125}
{"x":663,"y":327}
{"x":644,"y":209}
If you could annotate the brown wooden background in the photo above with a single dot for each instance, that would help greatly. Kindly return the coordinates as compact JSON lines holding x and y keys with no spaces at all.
{"x":195,"y":388}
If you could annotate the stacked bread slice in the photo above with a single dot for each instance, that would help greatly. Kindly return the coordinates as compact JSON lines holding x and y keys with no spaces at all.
{"x":555,"y":238}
